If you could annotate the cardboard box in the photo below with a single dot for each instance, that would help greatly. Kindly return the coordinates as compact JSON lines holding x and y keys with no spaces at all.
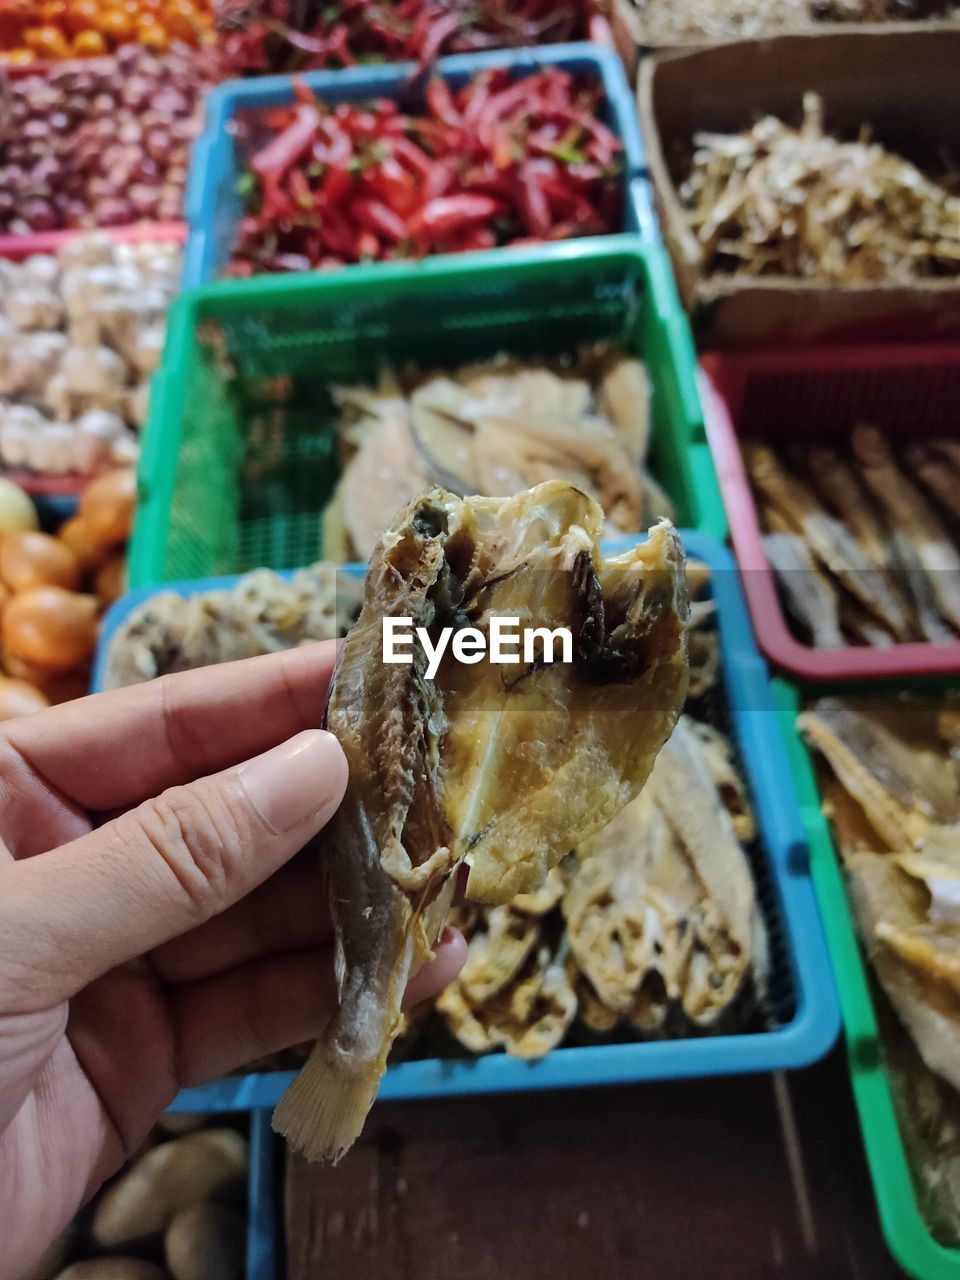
{"x":904,"y":81}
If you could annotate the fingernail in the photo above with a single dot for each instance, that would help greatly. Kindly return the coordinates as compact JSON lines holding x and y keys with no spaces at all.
{"x":299,"y":780}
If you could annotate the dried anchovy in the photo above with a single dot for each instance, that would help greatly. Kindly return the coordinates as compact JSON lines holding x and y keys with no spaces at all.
{"x":775,"y":200}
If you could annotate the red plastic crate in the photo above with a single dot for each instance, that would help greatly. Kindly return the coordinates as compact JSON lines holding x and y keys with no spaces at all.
{"x":819,"y":395}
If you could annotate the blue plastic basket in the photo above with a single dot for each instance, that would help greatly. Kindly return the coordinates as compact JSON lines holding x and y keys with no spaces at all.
{"x":261,"y":1212}
{"x":803,"y":994}
{"x":214,"y":206}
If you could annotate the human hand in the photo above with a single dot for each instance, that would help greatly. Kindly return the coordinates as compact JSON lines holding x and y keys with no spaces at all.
{"x":156,"y":928}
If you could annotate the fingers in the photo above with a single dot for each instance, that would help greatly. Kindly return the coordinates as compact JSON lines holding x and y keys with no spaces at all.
{"x":163,"y":868}
{"x":116,"y":749}
{"x":429,"y":980}
{"x":288,"y":913}
{"x":229,"y":1020}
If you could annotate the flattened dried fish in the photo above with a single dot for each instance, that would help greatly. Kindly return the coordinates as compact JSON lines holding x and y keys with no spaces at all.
{"x":528,"y":1017}
{"x":263,"y":613}
{"x":839,"y":487}
{"x":505,"y":774}
{"x":890,"y":905}
{"x":810,"y":595}
{"x":498,"y":948}
{"x":717,"y":753}
{"x":661,"y":914}
{"x":913,"y":517}
{"x":887,"y":759}
{"x":829,"y":540}
{"x":385,"y":474}
{"x":940,"y":476}
{"x":624,"y":398}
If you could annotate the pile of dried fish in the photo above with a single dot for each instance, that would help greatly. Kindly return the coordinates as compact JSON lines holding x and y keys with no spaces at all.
{"x":780,"y":201}
{"x":263,"y":613}
{"x":651,"y":924}
{"x":666,"y":22}
{"x":863,"y":542}
{"x":892,"y":791}
{"x":494,"y":428}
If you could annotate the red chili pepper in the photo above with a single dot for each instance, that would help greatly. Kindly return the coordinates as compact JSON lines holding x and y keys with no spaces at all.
{"x":368,"y":246}
{"x":534,"y":206}
{"x":440,"y":180}
{"x":441,"y":30}
{"x":448,"y":214}
{"x":394,"y":185}
{"x":441,"y":103}
{"x":377,"y":217}
{"x":287,"y":147}
{"x":500,"y":105}
{"x":336,"y":234}
{"x":416,"y":158}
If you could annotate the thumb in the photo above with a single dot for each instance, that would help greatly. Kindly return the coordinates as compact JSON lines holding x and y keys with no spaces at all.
{"x":70,"y":915}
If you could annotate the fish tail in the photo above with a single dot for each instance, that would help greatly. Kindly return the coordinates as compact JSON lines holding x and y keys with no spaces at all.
{"x":322,"y":1112}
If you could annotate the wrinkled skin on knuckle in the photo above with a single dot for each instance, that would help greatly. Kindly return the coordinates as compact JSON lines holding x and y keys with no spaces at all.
{"x":196,"y":836}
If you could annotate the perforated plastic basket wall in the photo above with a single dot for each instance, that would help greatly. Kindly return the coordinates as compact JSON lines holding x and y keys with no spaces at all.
{"x":906,"y":1232}
{"x":802,"y":1018}
{"x":818,"y":396}
{"x":228,"y":482}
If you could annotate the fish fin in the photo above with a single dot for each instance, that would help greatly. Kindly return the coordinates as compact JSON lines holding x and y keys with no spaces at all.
{"x":323,"y":1111}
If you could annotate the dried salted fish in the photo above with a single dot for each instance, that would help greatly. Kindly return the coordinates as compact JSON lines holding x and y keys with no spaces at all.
{"x":810,"y":595}
{"x":717,"y":753}
{"x":661,"y":914}
{"x":511,"y":454}
{"x":504,"y":774}
{"x":543,"y":900}
{"x":623,"y":397}
{"x":528,"y":1017}
{"x":263,"y":613}
{"x":499,"y":946}
{"x":829,"y":540}
{"x":891,"y":912}
{"x":838,"y":486}
{"x":660,"y":23}
{"x":891,"y":760}
{"x":774,"y":200}
{"x":940,"y":476}
{"x":913,"y":518}
{"x":386,"y":473}
{"x":929,"y":1114}
{"x":496,"y":428}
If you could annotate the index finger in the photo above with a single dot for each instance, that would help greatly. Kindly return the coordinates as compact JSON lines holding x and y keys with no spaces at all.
{"x":116,"y":749}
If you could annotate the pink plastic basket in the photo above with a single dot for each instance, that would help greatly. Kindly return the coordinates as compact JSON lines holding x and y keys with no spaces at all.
{"x":806,"y":396}
{"x":22,"y":246}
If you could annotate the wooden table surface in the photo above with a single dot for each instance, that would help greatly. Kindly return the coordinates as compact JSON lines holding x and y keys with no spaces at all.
{"x":697,"y":1180}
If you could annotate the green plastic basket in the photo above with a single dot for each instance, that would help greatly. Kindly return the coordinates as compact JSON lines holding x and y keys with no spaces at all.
{"x":229,"y":483}
{"x":903,"y":1226}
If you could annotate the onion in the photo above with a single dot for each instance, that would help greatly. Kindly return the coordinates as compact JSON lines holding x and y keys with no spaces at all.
{"x":17,"y":512}
{"x":108,"y":505}
{"x":32,"y":559}
{"x":17,"y":698}
{"x":111,"y":581}
{"x":82,"y":541}
{"x":51,"y":628}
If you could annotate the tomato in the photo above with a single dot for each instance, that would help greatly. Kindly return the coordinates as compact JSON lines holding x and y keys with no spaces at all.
{"x":47,"y":42}
{"x":81,"y":15}
{"x":89,"y":44}
{"x":115,"y":26}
